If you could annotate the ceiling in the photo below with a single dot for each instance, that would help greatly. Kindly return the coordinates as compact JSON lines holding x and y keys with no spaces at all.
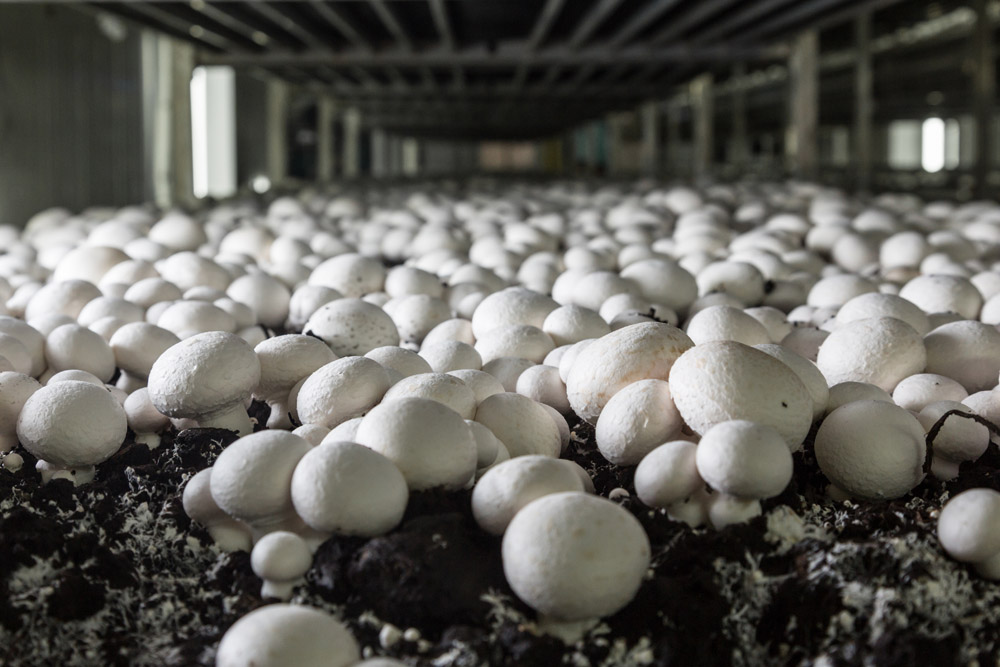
{"x":488,"y":68}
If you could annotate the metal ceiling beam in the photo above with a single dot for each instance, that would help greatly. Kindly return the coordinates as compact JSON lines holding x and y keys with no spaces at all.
{"x":510,"y":56}
{"x":691,"y":18}
{"x":440,"y":15}
{"x":392,"y":24}
{"x":336,"y":19}
{"x":640,"y":21}
{"x":725,"y":26}
{"x":592,"y":21}
{"x":286,"y":23}
{"x":563,"y":93}
{"x":799,"y":14}
{"x":157,"y":18}
{"x":538,"y":33}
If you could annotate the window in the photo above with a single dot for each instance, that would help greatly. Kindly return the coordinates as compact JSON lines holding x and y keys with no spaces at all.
{"x":213,"y":131}
{"x":932,"y":145}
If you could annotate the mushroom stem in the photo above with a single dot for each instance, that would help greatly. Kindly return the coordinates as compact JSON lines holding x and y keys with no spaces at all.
{"x":151,"y":440}
{"x":726,"y":509}
{"x":989,"y":568}
{"x":130,"y":383}
{"x":944,"y":469}
{"x":78,"y":475}
{"x":230,"y":535}
{"x":8,"y":441}
{"x":570,"y":632}
{"x":233,"y":418}
{"x":279,"y":415}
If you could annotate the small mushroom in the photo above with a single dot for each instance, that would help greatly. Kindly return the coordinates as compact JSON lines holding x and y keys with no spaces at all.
{"x":346,"y":488}
{"x":72,"y":426}
{"x":969,"y":530}
{"x":441,"y":387}
{"x":509,"y":486}
{"x":352,"y":326}
{"x":144,"y":418}
{"x":881,"y":351}
{"x":523,"y":426}
{"x":668,"y":476}
{"x":15,"y":390}
{"x":542,"y":560}
{"x":959,"y":439}
{"x":207,"y":378}
{"x":228,"y":533}
{"x":284,"y":360}
{"x":279,"y":635}
{"x":281,"y":559}
{"x":636,"y":420}
{"x":340,"y":390}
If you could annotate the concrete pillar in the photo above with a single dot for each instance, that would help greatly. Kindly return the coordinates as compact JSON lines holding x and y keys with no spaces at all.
{"x":170,"y":141}
{"x":801,"y":145}
{"x":352,"y":143}
{"x":984,"y":94}
{"x":411,"y":156}
{"x":703,"y":111}
{"x":278,"y":95}
{"x":326,"y":112}
{"x":673,"y":166}
{"x":395,"y":155}
{"x":650,"y":150}
{"x":740,"y":143}
{"x":380,"y":156}
{"x":863,"y":106}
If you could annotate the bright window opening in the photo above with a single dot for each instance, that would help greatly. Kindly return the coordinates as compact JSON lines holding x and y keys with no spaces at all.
{"x":213,"y":131}
{"x":904,"y":144}
{"x":932,"y":145}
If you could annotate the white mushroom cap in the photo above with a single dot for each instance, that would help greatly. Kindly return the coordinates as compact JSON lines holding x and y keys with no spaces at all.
{"x":774,"y":321}
{"x":441,"y":387}
{"x":663,"y":281}
{"x":405,"y":362}
{"x":456,"y":329}
{"x":542,"y":384}
{"x":312,"y":433}
{"x":149,"y":291}
{"x":72,"y":346}
{"x":507,"y":370}
{"x":871,"y":449}
{"x":487,"y":445}
{"x":874,"y":304}
{"x":207,"y":377}
{"x":523,"y":426}
{"x":738,"y":279}
{"x":352,"y":326}
{"x":281,"y":559}
{"x":636,"y":420}
{"x":837,"y":290}
{"x":573,"y":323}
{"x":881,"y":351}
{"x":451,"y":355}
{"x":940,"y":293}
{"x":87,"y":262}
{"x":843,"y":393}
{"x":509,"y":486}
{"x":306,"y":300}
{"x":637,"y":352}
{"x":403,"y":280}
{"x":969,"y":530}
{"x":106,"y":306}
{"x":15,"y":390}
{"x":143,"y":417}
{"x":744,"y":459}
{"x":918,"y":391}
{"x":16,"y":353}
{"x":808,"y":373}
{"x":726,"y":323}
{"x":430,"y":443}
{"x":481,"y":383}
{"x":284,"y":360}
{"x":542,"y":549}
{"x":63,"y":298}
{"x":33,"y":340}
{"x":965,"y":351}
{"x":280,"y":635}
{"x":960,"y":439}
{"x":343,"y":487}
{"x":252,"y":479}
{"x":514,"y":305}
{"x":668,"y":474}
{"x":72,"y":424}
{"x":515,"y":340}
{"x":187,"y":270}
{"x":228,"y":533}
{"x":724,"y":509}
{"x":341,"y":390}
{"x":805,"y":341}
{"x":350,"y":274}
{"x":138,"y":345}
{"x":416,"y":315}
{"x":178,"y":231}
{"x":724,"y":380}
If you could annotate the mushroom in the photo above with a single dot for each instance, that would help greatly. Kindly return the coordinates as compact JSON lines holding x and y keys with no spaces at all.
{"x":30,"y":338}
{"x":346,"y":488}
{"x":572,"y":323}
{"x":72,"y":426}
{"x":523,"y":426}
{"x":514,"y":305}
{"x":965,"y":351}
{"x":144,"y":419}
{"x":871,"y":449}
{"x":281,"y":559}
{"x":507,"y":487}
{"x":636,"y":420}
{"x":340,"y":390}
{"x":481,"y":383}
{"x":404,"y":362}
{"x":430,"y":443}
{"x":280,"y":635}
{"x":542,"y":384}
{"x":521,"y":341}
{"x":542,"y":556}
{"x":843,"y":393}
{"x":228,"y":533}
{"x":441,"y":387}
{"x":637,"y":352}
{"x":969,"y":531}
{"x":507,"y":370}
{"x":15,"y":390}
{"x":252,"y":478}
{"x":724,"y":380}
{"x":747,"y":462}
{"x":312,"y":433}
{"x":726,"y":323}
{"x":920,"y":390}
{"x":72,"y":346}
{"x":352,"y":326}
{"x":266,"y":296}
{"x":206,"y":378}
{"x":450,"y":355}
{"x":807,"y":372}
{"x":136,"y":347}
{"x":350,"y":274}
{"x":668,"y":476}
{"x":284,"y":360}
{"x":487,"y":445}
{"x":881,"y":351}
{"x":959,"y":438}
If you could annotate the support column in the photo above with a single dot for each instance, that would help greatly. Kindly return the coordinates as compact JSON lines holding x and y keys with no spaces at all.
{"x":380,"y":161}
{"x":650,"y":139}
{"x":740,"y":151}
{"x":984,"y":93}
{"x":673,"y":113}
{"x":277,"y":130}
{"x":411,"y":156}
{"x":703,"y":110}
{"x":801,"y":145}
{"x":352,"y":143}
{"x":326,"y":112}
{"x":863,"y":106}
{"x":170,"y":144}
{"x":395,"y":155}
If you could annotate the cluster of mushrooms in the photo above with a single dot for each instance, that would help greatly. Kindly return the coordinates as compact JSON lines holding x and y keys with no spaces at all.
{"x":439,"y":338}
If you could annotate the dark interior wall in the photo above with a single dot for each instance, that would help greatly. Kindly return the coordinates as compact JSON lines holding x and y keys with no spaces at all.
{"x":71,"y":130}
{"x":251,"y":127}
